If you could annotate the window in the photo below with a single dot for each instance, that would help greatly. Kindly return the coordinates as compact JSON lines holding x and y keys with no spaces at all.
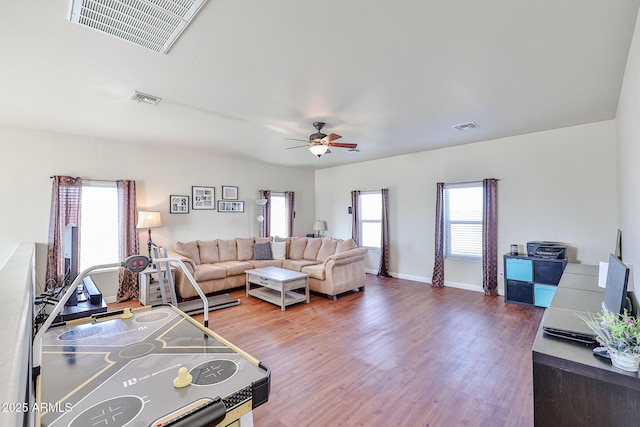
{"x":463,"y":220}
{"x":370,"y":223}
{"x":278,"y":213}
{"x":98,"y":224}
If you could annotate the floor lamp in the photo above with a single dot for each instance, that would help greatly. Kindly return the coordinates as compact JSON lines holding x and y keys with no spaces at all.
{"x":149,"y":220}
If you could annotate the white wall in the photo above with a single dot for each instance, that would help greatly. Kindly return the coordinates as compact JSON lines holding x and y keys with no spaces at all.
{"x":30,"y":157}
{"x":628,"y":128}
{"x":554,"y":185}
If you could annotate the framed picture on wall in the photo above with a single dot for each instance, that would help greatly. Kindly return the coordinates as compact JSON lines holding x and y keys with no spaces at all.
{"x":178,"y":204}
{"x":229,"y":193}
{"x":230,"y":206}
{"x":203,"y":198}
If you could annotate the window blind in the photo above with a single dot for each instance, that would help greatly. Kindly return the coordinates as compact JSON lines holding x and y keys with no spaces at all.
{"x":463,"y":220}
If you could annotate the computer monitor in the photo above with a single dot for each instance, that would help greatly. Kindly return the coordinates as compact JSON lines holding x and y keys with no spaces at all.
{"x":615,"y":292}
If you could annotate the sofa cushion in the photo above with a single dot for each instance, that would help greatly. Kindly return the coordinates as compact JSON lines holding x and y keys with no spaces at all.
{"x":316,"y":271}
{"x":208,"y":251}
{"x":345,"y":245}
{"x":279,"y":250}
{"x":235,"y":267}
{"x":189,"y":250}
{"x":298,"y":245}
{"x":263,"y":239}
{"x":266,"y":263}
{"x":227,"y":250}
{"x":245,"y":248}
{"x":327,"y":249}
{"x":262,"y":251}
{"x":313,"y":246}
{"x":208,"y":272}
{"x":297,"y":264}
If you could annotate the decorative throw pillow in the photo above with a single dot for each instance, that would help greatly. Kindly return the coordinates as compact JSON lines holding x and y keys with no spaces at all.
{"x":262,"y":251}
{"x":279,"y":250}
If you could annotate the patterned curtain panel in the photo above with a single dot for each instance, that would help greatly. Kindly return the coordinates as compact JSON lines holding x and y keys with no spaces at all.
{"x":383,"y":270}
{"x":290,"y":207}
{"x":438,"y":262}
{"x":355,"y":229}
{"x":127,"y":238}
{"x":265,"y":211}
{"x":66,"y":203}
{"x":490,"y":237}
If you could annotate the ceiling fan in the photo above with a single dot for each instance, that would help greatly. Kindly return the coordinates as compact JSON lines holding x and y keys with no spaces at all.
{"x":319,"y":142}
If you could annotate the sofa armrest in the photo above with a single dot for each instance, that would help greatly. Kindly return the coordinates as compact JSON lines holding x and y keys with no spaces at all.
{"x":347,"y":257}
{"x":191,"y":266}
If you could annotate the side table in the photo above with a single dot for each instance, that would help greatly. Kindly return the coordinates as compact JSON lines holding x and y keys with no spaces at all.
{"x":150,"y":287}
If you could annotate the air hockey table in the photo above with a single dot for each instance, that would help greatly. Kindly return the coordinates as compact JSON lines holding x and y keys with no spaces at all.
{"x":147,"y":366}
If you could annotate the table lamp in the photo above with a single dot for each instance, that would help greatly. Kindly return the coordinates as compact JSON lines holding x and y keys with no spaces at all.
{"x":149,"y":220}
{"x":319,"y":226}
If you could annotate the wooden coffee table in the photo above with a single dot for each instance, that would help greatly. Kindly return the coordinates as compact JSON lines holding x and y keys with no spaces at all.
{"x":276,"y":285}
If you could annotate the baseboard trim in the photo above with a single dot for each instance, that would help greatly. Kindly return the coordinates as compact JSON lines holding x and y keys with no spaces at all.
{"x":447,"y":283}
{"x":466,"y":286}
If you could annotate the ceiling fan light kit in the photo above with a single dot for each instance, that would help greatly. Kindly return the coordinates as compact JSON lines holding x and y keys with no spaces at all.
{"x":319,"y":149}
{"x":319,"y":142}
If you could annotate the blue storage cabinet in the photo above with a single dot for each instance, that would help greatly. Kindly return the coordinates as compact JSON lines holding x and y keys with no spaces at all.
{"x":543,"y":294}
{"x":531,"y":280}
{"x":519,"y":269}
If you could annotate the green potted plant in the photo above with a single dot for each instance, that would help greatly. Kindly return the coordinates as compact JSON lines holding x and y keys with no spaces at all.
{"x":620,"y":334}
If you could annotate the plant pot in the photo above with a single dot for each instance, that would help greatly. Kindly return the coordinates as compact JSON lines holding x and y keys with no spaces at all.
{"x":626,"y":361}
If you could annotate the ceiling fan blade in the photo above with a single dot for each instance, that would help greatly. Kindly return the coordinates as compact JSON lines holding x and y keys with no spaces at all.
{"x":297,"y":146}
{"x":295,"y":139}
{"x":333,"y":137}
{"x":342,"y":145}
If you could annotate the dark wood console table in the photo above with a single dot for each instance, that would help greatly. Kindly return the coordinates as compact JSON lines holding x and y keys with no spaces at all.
{"x":571,"y":386}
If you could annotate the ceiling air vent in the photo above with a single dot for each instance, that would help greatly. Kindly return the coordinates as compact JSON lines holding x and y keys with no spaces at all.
{"x":143,"y":97}
{"x":154,"y":24}
{"x":466,"y":126}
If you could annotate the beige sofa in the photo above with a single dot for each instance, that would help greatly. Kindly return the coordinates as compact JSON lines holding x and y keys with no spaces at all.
{"x":334,"y":266}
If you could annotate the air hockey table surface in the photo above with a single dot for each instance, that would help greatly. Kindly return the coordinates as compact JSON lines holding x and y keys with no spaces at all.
{"x":116,"y":371}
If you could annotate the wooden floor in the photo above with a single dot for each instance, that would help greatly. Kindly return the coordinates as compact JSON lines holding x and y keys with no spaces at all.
{"x":399,"y":354}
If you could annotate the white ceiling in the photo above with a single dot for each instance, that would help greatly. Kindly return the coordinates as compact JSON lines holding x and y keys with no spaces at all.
{"x":391,"y":76}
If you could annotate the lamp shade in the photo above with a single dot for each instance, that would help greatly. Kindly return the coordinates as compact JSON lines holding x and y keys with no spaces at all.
{"x":149,"y":219}
{"x":319,"y":225}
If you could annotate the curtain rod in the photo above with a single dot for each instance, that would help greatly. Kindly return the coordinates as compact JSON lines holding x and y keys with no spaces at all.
{"x":471,"y":182}
{"x":95,"y":180}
